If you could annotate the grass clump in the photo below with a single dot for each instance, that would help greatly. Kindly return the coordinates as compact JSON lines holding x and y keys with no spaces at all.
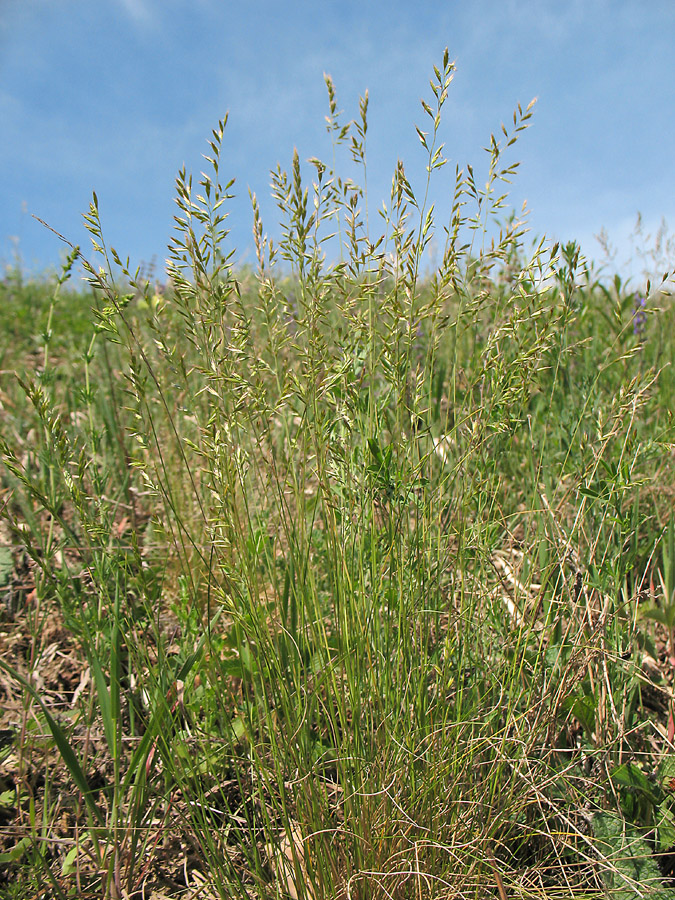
{"x":355,"y":565}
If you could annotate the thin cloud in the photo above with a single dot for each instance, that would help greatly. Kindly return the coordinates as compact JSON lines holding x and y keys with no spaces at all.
{"x":139,"y":11}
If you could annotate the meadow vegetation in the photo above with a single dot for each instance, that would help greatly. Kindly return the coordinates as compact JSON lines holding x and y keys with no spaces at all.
{"x":347,"y":579}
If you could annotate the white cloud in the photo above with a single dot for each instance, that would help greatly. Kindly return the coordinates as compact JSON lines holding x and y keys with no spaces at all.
{"x":139,"y":11}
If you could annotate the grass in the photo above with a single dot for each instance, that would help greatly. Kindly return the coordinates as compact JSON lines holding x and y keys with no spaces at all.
{"x":346,"y":580}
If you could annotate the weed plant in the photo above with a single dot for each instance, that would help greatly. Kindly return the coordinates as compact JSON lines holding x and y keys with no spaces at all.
{"x":360,"y":562}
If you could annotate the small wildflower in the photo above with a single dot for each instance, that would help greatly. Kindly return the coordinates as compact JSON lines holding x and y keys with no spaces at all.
{"x":639,"y":316}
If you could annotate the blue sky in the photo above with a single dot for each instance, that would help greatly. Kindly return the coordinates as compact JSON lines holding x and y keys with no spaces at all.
{"x":116,"y":95}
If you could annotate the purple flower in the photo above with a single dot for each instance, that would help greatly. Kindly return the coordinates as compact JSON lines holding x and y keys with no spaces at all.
{"x":639,"y":316}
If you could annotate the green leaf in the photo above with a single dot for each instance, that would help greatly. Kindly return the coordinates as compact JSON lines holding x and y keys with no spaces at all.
{"x":632,"y":873}
{"x":667,"y":767}
{"x":69,"y":861}
{"x":666,"y":829}
{"x":8,"y":799}
{"x":16,"y":852}
{"x":103,"y":700}
{"x":657,"y":615}
{"x":584,"y":708}
{"x":630,"y":775}
{"x":6,"y":566}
